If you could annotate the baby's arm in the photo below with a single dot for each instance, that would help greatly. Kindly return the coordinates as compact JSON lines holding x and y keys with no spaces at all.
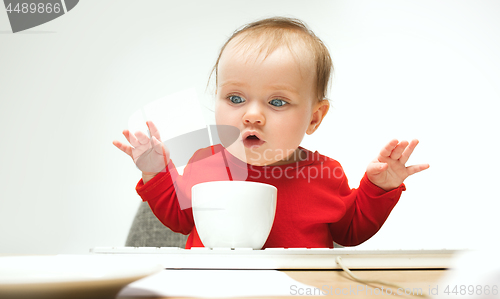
{"x":388,"y":170}
{"x":378,"y":193}
{"x":150,"y":155}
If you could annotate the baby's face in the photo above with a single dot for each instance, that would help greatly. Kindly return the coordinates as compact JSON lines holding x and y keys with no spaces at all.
{"x":271,"y":101}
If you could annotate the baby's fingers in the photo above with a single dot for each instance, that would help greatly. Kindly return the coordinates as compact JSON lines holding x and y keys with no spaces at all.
{"x":126,"y":133}
{"x":153,"y":130}
{"x":157,"y":146}
{"x":387,"y":150}
{"x":398,"y":150}
{"x":123,"y":147}
{"x":408,"y":151}
{"x":131,"y":138}
{"x":416,"y":168}
{"x":142,"y":138}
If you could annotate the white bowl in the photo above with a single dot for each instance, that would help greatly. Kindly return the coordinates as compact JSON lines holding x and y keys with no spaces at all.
{"x":234,"y":214}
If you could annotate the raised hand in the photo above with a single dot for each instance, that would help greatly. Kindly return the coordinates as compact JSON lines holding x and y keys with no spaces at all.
{"x":149,"y":155}
{"x":388,"y":170}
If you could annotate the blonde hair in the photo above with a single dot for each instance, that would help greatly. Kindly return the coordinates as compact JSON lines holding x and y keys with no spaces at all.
{"x":281,"y":31}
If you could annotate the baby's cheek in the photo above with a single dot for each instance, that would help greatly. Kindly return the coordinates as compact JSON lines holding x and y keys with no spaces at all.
{"x":289,"y":139}
{"x":225,"y":116}
{"x":219,"y":109}
{"x":220,"y":117}
{"x":296,"y":135}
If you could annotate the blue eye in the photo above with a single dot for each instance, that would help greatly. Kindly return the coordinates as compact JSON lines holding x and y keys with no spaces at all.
{"x":236,"y":99}
{"x":278,"y":103}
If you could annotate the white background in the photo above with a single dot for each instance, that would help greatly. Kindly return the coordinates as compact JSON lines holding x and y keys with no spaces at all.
{"x":403,"y":69}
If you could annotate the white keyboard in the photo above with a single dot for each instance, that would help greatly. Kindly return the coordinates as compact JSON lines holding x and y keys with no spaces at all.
{"x":280,"y":258}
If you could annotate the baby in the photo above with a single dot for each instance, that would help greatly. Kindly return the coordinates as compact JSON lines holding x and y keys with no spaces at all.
{"x":271,"y":83}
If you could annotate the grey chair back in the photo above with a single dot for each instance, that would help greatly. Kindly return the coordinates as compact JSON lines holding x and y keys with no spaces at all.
{"x":148,"y":231}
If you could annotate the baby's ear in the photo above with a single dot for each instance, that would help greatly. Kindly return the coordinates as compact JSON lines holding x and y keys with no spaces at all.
{"x":318,"y":113}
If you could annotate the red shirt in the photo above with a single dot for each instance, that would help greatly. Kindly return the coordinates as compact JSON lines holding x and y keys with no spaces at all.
{"x":315,"y":206}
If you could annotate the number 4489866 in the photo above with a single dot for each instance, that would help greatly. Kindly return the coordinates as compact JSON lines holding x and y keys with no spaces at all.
{"x":34,"y":8}
{"x":471,"y":290}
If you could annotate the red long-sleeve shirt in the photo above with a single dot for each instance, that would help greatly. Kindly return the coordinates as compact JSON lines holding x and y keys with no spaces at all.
{"x":315,"y":205}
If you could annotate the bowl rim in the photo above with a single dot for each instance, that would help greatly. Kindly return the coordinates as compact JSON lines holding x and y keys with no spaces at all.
{"x":232,"y":182}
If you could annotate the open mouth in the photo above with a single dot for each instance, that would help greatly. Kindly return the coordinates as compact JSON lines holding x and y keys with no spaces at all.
{"x":252,"y":141}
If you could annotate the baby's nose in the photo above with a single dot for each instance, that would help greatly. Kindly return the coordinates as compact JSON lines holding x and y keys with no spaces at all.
{"x":251,"y":120}
{"x":254,"y":116}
